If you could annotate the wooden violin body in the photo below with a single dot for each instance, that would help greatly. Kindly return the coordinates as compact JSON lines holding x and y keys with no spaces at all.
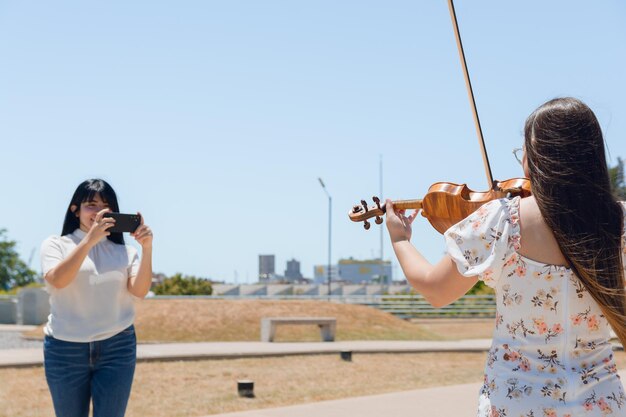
{"x":445,"y":203}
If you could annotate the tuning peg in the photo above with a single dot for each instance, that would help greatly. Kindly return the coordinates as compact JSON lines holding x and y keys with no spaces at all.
{"x":366,"y":224}
{"x":377,"y":201}
{"x":364,"y":204}
{"x":378,"y":220}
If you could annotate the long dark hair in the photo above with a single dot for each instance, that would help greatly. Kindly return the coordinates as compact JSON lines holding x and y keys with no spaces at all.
{"x":86,"y":191}
{"x":570,"y":180}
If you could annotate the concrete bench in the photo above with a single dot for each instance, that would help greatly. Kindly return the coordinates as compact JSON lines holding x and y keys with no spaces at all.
{"x":327,"y":326}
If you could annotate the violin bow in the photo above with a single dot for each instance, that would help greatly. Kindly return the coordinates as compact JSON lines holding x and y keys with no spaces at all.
{"x":470,"y":93}
{"x":363,"y":212}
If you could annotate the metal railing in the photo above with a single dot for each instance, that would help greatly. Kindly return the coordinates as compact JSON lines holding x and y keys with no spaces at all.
{"x":415,"y":306}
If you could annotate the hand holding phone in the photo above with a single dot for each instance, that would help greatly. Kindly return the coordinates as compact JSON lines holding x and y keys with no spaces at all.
{"x":124,"y":223}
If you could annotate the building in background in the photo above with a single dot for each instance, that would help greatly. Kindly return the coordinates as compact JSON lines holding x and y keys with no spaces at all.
{"x":320,"y":274}
{"x":353,"y":271}
{"x":157,"y":278}
{"x":369,"y":271}
{"x":292,"y":273}
{"x":266,"y":268}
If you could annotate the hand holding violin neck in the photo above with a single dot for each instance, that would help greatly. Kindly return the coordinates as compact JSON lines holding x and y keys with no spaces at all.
{"x":362,"y":212}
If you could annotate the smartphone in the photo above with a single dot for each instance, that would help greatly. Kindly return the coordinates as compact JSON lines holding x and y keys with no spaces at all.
{"x":124,"y":223}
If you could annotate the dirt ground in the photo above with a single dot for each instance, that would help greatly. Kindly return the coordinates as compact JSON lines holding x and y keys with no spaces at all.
{"x":197,"y":388}
{"x":456,"y":329}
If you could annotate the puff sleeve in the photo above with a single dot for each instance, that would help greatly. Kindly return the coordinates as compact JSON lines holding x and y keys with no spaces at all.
{"x":51,"y":253}
{"x":481,"y":243}
{"x":133,"y":261}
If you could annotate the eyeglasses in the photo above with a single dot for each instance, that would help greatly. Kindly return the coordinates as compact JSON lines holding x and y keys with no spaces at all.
{"x":518,"y":153}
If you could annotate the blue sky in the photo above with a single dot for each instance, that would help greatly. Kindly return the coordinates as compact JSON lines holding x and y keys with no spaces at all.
{"x":215,"y":119}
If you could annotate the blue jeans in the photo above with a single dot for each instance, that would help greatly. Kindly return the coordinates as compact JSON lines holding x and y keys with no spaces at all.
{"x":100,"y":371}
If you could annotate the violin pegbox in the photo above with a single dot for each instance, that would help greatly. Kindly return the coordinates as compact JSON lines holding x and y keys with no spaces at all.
{"x":362,"y":212}
{"x":379,"y":219}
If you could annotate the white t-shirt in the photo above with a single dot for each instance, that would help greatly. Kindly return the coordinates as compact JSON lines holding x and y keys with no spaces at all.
{"x":96,"y":304}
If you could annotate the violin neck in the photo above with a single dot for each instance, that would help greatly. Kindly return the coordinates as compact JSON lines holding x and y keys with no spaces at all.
{"x":407,"y":204}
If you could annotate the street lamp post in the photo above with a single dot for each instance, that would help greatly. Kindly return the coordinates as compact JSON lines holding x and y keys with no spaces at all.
{"x":330,"y":204}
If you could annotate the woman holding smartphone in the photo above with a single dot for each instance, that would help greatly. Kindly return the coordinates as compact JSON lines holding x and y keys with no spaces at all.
{"x":93,"y":279}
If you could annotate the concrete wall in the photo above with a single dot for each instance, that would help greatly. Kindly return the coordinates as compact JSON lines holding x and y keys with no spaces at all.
{"x":33,"y":305}
{"x":399,"y":289}
{"x":225,"y":289}
{"x":8,"y":310}
{"x":253,"y":290}
{"x":354,"y":290}
{"x":280,"y":289}
{"x":29,"y":306}
{"x":335,"y":289}
{"x":304,"y":289}
{"x":307,"y":289}
{"x":375,"y":289}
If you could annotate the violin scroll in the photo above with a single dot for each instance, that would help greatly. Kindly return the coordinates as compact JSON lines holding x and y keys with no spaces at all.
{"x":363,"y":212}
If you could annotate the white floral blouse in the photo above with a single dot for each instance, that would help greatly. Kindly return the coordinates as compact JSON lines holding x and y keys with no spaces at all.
{"x":550,"y":355}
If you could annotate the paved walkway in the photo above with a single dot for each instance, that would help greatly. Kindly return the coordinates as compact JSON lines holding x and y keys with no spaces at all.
{"x":16,"y":327}
{"x":230,"y":350}
{"x":455,"y":400}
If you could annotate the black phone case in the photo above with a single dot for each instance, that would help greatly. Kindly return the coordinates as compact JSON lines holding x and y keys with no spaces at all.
{"x":124,"y":223}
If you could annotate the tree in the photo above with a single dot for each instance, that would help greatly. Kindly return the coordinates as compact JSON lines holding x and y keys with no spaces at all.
{"x":480,"y":288}
{"x":616,"y":174}
{"x":184,"y":285}
{"x":13,"y":271}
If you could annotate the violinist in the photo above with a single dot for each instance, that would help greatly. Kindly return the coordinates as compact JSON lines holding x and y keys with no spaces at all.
{"x":556,"y":263}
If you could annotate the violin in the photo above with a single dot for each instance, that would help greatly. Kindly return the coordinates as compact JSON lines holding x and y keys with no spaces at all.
{"x":446,"y":203}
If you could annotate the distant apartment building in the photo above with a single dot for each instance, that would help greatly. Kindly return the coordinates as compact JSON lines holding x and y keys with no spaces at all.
{"x":157,"y":278}
{"x":353,"y":271}
{"x":370,"y":271}
{"x":292,"y":273}
{"x":320,"y":274}
{"x":266,"y":267}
